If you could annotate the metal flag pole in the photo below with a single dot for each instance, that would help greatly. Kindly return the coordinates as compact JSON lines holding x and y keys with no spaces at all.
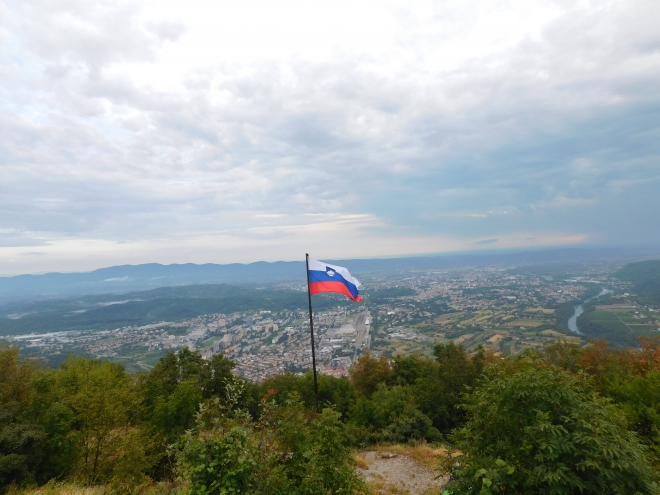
{"x":311,"y":327}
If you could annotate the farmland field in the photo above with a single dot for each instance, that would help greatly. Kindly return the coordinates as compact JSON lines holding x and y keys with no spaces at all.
{"x":560,"y":336}
{"x":524,"y":322}
{"x":624,"y":320}
{"x":540,"y":311}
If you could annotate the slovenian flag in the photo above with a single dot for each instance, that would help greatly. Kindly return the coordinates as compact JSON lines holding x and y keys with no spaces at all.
{"x":324,"y":277}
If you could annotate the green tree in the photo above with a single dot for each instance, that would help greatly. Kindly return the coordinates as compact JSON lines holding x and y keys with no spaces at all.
{"x":105,"y":405}
{"x":565,"y":355}
{"x":439,"y":385}
{"x":336,"y":392}
{"x":174,"y":390}
{"x":216,"y":373}
{"x":368,"y":372}
{"x":48,"y":408}
{"x":22,"y":441}
{"x":384,"y":406}
{"x":407,"y":369}
{"x":177,"y":385}
{"x":173,"y":414}
{"x":536,"y":429}
{"x":639,"y":398}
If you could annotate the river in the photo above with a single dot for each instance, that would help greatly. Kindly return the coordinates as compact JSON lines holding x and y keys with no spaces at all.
{"x":572,"y":321}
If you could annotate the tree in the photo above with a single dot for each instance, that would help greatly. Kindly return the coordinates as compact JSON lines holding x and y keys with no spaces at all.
{"x":22,"y":441}
{"x":565,"y":355}
{"x":407,"y":369}
{"x":105,"y":406}
{"x":535,"y":429}
{"x":457,"y":367}
{"x":337,"y":392}
{"x":177,"y":385}
{"x":438,"y":388}
{"x":175,"y":413}
{"x":368,"y":372}
{"x":216,"y":373}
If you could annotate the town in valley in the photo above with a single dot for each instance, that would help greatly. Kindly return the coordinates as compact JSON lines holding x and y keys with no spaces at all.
{"x":505,"y":310}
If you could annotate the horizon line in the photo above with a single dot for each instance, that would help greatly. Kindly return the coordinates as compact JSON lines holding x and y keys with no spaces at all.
{"x":474,"y":252}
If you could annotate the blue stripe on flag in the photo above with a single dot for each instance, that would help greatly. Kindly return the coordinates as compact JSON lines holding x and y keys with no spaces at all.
{"x":319,"y":276}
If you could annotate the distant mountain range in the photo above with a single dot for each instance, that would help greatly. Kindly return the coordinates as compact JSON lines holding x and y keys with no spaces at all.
{"x":125,"y":278}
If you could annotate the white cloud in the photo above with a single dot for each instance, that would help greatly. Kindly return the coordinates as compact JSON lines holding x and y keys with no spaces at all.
{"x":565,"y":203}
{"x":154,"y":120}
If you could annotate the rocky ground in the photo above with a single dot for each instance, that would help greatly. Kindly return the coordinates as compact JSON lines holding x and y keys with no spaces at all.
{"x":400,"y":473}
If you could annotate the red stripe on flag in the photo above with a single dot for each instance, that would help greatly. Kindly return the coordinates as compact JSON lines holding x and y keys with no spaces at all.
{"x":336,"y":287}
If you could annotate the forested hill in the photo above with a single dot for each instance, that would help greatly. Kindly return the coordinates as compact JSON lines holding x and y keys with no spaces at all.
{"x":152,"y":275}
{"x":126,"y":278}
{"x":140,"y":308}
{"x":645,"y":276}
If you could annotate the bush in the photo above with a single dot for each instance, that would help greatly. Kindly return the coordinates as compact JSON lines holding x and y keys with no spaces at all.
{"x":313,"y":458}
{"x":412,"y":425}
{"x":533,"y":428}
{"x":217,"y":462}
{"x":289,"y":451}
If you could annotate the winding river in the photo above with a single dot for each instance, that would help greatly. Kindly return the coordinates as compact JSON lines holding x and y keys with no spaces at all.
{"x":572,"y":321}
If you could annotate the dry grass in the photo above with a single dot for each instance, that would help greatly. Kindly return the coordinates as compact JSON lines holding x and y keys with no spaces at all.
{"x":68,"y":488}
{"x":60,"y":489}
{"x":381,"y":488}
{"x":360,"y":462}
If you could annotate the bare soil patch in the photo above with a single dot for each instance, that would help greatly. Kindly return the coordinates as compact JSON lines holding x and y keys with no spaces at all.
{"x":396,"y":471}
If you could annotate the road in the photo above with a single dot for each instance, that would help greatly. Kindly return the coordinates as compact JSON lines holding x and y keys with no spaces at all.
{"x":362,"y":325}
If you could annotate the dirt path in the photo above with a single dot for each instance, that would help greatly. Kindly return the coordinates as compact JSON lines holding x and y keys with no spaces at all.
{"x":391,"y":473}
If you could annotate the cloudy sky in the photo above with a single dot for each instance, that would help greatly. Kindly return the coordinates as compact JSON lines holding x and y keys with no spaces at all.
{"x":216,"y":131}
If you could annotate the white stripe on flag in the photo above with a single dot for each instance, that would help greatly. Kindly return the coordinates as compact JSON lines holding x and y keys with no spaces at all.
{"x":321,"y":267}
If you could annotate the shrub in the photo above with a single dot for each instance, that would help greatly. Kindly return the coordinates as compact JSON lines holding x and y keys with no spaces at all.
{"x":412,"y":425}
{"x":534,"y":428}
{"x":217,"y":462}
{"x":289,"y":451}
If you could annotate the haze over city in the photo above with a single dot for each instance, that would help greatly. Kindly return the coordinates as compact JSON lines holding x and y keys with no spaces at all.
{"x":171,"y":132}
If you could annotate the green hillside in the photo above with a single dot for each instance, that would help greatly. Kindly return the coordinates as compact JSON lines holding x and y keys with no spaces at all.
{"x":645,"y":276}
{"x":144,"y":307}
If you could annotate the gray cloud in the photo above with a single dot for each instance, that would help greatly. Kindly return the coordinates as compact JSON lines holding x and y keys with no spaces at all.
{"x":19,"y":239}
{"x":552,"y":134}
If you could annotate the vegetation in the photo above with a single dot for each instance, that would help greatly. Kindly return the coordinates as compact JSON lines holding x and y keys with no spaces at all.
{"x":563,"y":313}
{"x":537,"y":429}
{"x":645,"y":276}
{"x":144,"y":307}
{"x":286,"y":452}
{"x":562,"y":420}
{"x":621,"y":337}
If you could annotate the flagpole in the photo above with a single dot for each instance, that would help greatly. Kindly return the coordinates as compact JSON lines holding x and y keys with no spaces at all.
{"x":311,"y":327}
